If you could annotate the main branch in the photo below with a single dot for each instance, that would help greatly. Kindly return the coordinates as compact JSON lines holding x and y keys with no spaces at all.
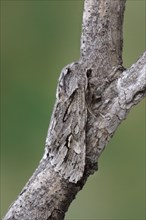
{"x":98,"y":93}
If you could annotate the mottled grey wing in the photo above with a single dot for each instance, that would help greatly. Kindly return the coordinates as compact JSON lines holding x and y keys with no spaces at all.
{"x":66,"y":136}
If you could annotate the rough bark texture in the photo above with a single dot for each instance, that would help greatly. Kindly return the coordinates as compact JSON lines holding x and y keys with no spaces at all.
{"x":94,"y":96}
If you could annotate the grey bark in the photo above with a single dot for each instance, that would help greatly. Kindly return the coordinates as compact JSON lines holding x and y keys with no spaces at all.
{"x":94,"y":95}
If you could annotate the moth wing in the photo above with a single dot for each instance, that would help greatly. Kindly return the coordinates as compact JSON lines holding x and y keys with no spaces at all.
{"x":66,"y":143}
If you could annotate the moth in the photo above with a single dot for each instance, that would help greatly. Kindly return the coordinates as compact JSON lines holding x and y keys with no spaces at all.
{"x":66,"y":139}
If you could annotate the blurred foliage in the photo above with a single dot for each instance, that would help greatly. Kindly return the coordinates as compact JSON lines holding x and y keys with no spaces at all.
{"x":38,"y":38}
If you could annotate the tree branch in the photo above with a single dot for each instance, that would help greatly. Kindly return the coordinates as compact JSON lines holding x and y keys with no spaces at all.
{"x":94,"y":95}
{"x":132,"y":84}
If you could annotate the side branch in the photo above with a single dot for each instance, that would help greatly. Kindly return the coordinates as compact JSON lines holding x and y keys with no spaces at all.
{"x":132,"y":84}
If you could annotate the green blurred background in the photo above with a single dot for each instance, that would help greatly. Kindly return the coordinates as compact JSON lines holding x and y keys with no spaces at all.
{"x":38,"y":38}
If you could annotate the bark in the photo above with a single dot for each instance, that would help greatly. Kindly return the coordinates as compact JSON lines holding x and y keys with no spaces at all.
{"x":107,"y":92}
